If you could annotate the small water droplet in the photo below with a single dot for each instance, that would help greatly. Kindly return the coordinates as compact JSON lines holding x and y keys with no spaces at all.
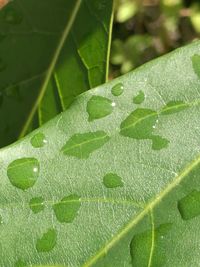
{"x":189,"y":206}
{"x":36,"y":204}
{"x":112,"y":180}
{"x":2,"y":65}
{"x":117,"y":89}
{"x":138,"y":99}
{"x":38,"y":140}
{"x":159,"y":142}
{"x":174,"y":107}
{"x":47,"y":242}
{"x":67,"y":208}
{"x":99,"y":107}
{"x":20,"y":263}
{"x":23,"y":173}
{"x":12,"y":16}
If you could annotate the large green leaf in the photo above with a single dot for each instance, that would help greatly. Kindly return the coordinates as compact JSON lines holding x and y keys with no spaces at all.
{"x":114,"y":180}
{"x":50,"y":52}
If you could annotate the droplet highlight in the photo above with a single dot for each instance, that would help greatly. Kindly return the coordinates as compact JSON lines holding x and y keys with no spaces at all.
{"x":99,"y":107}
{"x":112,"y":180}
{"x":38,"y":140}
{"x":36,"y":204}
{"x":189,"y":206}
{"x":82,"y":145}
{"x":47,"y":242}
{"x":117,"y":89}
{"x":67,"y":208}
{"x":23,"y":173}
{"x":138,"y":99}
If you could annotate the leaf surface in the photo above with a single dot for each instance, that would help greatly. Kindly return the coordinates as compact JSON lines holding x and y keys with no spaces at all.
{"x":122,"y":189}
{"x":50,"y":52}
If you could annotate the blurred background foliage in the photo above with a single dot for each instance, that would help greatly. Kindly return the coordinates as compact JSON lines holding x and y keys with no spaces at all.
{"x":146,"y":29}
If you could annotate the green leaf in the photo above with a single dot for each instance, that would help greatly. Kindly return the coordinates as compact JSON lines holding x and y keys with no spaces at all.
{"x":120,"y":190}
{"x":50,"y":52}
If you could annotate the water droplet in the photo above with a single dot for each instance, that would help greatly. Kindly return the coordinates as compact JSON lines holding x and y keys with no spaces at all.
{"x":196,"y":64}
{"x":67,"y":208}
{"x":139,"y":124}
{"x":159,"y":142}
{"x":36,"y":204}
{"x":189,"y":206}
{"x":47,"y":242}
{"x":12,"y":16}
{"x":141,"y":245}
{"x":20,"y":263}
{"x":138,"y":99}
{"x":112,"y":180}
{"x":1,"y":219}
{"x":82,"y":145}
{"x":117,"y":89}
{"x":2,"y":65}
{"x":38,"y":140}
{"x":99,"y":107}
{"x":23,"y":173}
{"x":174,"y":107}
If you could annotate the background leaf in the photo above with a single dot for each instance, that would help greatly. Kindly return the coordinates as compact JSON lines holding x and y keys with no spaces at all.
{"x":45,"y":63}
{"x":126,"y":200}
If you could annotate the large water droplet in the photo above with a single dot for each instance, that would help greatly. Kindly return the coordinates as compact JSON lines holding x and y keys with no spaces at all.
{"x":12,"y":16}
{"x":67,"y":208}
{"x":141,"y":246}
{"x":2,"y":65}
{"x":117,"y":89}
{"x":189,"y":206}
{"x":138,"y":99}
{"x":36,"y":204}
{"x":82,"y":145}
{"x":23,"y":173}
{"x":112,"y":180}
{"x":47,"y":242}
{"x":174,"y":107}
{"x":38,"y":140}
{"x":99,"y":107}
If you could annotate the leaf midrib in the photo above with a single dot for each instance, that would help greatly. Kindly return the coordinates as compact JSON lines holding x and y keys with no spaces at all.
{"x":148,"y":208}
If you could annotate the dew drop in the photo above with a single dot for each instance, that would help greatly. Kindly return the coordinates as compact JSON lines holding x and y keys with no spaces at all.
{"x":36,"y":204}
{"x":67,"y":208}
{"x":2,"y":65}
{"x":38,"y":140}
{"x":141,"y":244}
{"x":112,"y":180}
{"x":13,"y":91}
{"x":23,"y":173}
{"x":12,"y":16}
{"x":99,"y":107}
{"x":189,"y":206}
{"x":20,"y":263}
{"x":117,"y":89}
{"x":138,"y":99}
{"x":159,"y":142}
{"x":47,"y":242}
